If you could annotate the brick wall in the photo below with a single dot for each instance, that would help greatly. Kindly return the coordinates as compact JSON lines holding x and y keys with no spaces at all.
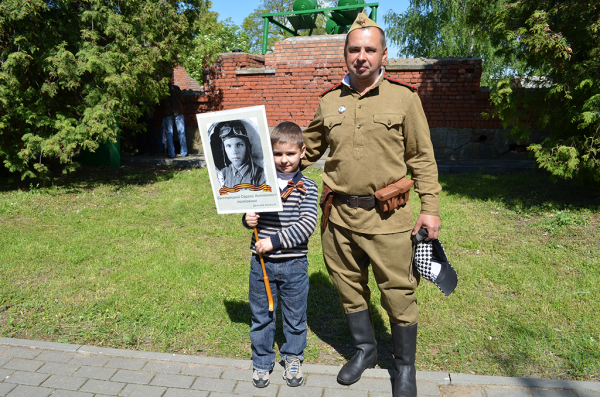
{"x":289,"y":80}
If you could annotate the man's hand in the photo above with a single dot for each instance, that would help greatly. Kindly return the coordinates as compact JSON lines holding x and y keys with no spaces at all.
{"x":252,"y":219}
{"x":264,"y":245}
{"x":432,"y":223}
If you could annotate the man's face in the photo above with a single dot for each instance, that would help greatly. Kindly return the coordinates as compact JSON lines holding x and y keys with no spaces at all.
{"x":287,"y":156}
{"x":236,"y":151}
{"x":364,"y":55}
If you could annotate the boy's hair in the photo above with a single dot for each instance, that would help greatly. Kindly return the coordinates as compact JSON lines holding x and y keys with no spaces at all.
{"x":287,"y":132}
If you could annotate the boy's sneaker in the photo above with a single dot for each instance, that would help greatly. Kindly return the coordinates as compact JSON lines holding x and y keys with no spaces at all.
{"x":260,"y":378}
{"x":293,"y":372}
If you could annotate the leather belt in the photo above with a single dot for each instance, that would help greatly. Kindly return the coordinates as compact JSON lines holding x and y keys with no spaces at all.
{"x":366,"y":202}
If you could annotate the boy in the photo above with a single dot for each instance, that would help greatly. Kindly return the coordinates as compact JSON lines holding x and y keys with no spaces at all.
{"x":283,"y":241}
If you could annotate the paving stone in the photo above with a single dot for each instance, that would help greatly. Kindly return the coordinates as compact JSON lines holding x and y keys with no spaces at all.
{"x":3,"y":349}
{"x":389,"y":394}
{"x":237,"y":374}
{"x":127,"y":390}
{"x":58,"y":369}
{"x":102,"y":387}
{"x":21,"y":352}
{"x":587,"y":393}
{"x":552,"y":393}
{"x":345,"y":393}
{"x":202,"y":370}
{"x":64,"y":382}
{"x":69,"y":393}
{"x":5,"y":388}
{"x":185,"y":393}
{"x":26,"y":378}
{"x":178,"y":381}
{"x":19,"y":364}
{"x":56,"y":357}
{"x":126,"y":363}
{"x":212,"y":384}
{"x":372,"y":384}
{"x":324,"y":381}
{"x":95,"y":373}
{"x":426,"y":389}
{"x":507,"y":392}
{"x":127,"y":376}
{"x":92,"y":361}
{"x":224,"y":395}
{"x":4,"y":373}
{"x":147,"y":391}
{"x":248,"y":388}
{"x":163,"y":368}
{"x":302,"y":391}
{"x":4,"y":360}
{"x":29,"y":391}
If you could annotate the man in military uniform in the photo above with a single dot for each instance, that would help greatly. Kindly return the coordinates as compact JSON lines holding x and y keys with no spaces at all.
{"x":374,"y":127}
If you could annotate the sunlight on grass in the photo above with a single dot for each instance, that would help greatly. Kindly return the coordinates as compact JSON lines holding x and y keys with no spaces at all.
{"x":138,"y":258}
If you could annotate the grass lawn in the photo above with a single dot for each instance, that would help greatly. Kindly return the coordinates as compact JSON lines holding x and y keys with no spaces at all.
{"x":138,"y":258}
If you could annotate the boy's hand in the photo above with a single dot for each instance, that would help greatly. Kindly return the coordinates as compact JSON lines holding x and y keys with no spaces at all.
{"x":264,"y":245}
{"x":252,"y":219}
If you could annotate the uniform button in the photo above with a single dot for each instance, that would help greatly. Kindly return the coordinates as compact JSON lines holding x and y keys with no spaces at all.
{"x":359,"y":106}
{"x":358,"y":127}
{"x":389,"y":122}
{"x":330,"y":124}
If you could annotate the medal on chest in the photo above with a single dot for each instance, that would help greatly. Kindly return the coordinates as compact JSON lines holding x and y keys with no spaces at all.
{"x":342,"y":109}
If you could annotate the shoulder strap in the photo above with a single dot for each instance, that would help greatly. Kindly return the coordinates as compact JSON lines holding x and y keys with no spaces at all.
{"x":409,"y":86}
{"x":330,"y":89}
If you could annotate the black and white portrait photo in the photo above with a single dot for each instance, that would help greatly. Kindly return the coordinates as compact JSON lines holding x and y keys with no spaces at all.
{"x":238,"y":153}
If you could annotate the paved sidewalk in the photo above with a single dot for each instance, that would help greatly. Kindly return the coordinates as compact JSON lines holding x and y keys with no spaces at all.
{"x":42,"y":369}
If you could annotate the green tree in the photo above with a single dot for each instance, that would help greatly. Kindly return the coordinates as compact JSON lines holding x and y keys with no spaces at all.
{"x":440,"y":28}
{"x":253,"y":24}
{"x":213,"y":39}
{"x":559,"y":41}
{"x":73,"y":73}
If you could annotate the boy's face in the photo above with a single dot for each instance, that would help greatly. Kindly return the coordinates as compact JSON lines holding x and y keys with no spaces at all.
{"x":288,"y":155}
{"x":236,"y":151}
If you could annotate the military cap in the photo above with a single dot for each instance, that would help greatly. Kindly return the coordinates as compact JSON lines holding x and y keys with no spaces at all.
{"x":363,"y":21}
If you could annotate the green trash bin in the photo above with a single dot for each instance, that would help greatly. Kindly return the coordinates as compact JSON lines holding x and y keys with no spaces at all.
{"x":108,"y":154}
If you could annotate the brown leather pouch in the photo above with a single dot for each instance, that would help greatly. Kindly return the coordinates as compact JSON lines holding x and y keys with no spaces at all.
{"x":395,"y":195}
{"x":326,"y":202}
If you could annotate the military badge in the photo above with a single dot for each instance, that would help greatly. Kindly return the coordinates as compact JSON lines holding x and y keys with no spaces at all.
{"x":342,"y":109}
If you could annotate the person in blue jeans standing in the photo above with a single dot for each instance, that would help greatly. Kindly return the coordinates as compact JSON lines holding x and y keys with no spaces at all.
{"x":173,"y":114}
{"x":283,"y":241}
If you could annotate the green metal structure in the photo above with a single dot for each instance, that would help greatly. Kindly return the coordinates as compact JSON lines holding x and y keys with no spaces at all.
{"x":305,"y":13}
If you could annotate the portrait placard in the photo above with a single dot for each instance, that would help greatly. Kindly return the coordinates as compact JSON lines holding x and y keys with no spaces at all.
{"x":239,"y":158}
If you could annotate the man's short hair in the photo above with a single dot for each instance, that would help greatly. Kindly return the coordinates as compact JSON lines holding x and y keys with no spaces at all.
{"x":287,"y":132}
{"x":382,"y":35}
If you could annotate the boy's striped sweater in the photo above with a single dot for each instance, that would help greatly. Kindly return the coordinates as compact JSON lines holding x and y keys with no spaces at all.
{"x":290,"y":229}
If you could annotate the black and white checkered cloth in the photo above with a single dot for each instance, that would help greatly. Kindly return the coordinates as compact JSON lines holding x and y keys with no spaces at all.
{"x":426,"y":252}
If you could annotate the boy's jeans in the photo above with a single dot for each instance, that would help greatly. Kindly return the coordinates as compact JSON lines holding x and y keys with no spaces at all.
{"x":169,"y":120}
{"x":290,"y":278}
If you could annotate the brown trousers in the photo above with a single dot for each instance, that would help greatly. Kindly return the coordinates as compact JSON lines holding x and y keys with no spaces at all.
{"x":347,"y":257}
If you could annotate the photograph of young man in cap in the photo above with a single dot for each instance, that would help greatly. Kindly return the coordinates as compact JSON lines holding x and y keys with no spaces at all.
{"x":239,"y":166}
{"x":374,"y":127}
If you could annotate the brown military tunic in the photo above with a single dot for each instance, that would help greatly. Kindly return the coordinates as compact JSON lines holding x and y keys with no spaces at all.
{"x":372,"y":138}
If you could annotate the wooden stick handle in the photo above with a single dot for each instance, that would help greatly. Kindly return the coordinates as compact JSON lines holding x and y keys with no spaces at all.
{"x":265,"y":277}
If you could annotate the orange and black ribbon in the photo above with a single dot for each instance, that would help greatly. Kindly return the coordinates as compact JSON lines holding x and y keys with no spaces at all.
{"x":290,"y":188}
{"x":224,"y":191}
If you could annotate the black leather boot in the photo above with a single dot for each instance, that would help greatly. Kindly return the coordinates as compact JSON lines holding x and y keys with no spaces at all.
{"x":405,"y":349}
{"x":365,"y":357}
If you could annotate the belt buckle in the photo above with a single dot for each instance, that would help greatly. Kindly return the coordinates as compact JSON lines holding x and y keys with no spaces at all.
{"x":352,"y":199}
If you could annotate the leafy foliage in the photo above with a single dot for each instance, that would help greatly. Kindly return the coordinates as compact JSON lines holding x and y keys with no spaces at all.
{"x":253,"y":24}
{"x":561,"y":42}
{"x":74,"y":73}
{"x":440,"y":28}
{"x":213,"y":39}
